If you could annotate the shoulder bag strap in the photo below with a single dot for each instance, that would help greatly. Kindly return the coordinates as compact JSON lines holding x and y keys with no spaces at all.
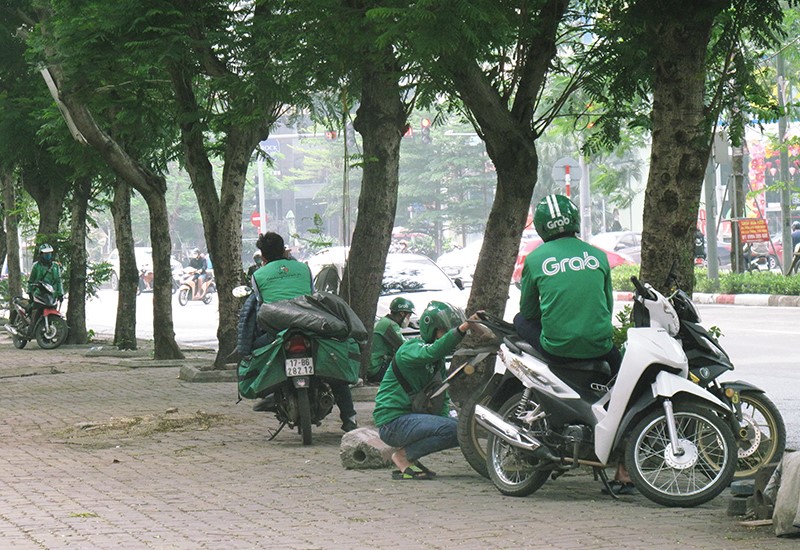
{"x":401,"y":378}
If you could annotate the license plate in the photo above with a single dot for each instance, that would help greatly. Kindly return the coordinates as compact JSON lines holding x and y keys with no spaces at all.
{"x":300,"y":366}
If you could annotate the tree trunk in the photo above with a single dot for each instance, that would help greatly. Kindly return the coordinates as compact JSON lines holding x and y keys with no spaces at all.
{"x":12,"y":234}
{"x":125,"y":325}
{"x":381,"y":121}
{"x":76,"y":287}
{"x":222,"y":214}
{"x":681,"y":141}
{"x":49,"y":196}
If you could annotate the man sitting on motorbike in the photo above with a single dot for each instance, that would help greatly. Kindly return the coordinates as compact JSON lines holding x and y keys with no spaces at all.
{"x":283,"y":278}
{"x":418,"y":361}
{"x":566,"y":300}
{"x":387,"y":337}
{"x":199,"y":264}
{"x":44,"y":270}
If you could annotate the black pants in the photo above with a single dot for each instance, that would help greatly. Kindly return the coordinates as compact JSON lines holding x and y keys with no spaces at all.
{"x":531,"y":329}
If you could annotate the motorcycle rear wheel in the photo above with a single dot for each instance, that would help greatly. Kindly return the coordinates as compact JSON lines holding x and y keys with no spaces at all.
{"x":512,"y":470}
{"x":51,"y":339}
{"x":304,"y":412}
{"x":184,"y":295}
{"x":704,"y":470}
{"x":472,"y":438}
{"x":762,"y":434}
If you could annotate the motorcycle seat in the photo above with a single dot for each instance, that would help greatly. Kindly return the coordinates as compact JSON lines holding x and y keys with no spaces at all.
{"x":518,"y":345}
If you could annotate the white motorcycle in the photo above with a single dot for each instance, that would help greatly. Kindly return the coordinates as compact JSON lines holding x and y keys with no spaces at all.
{"x":673,"y":436}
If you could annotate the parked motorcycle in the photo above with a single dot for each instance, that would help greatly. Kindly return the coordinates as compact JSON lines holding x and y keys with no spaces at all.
{"x":758,"y":425}
{"x":146,"y":278}
{"x":186,"y":291}
{"x":51,"y":329}
{"x":298,"y":374}
{"x":545,"y":419}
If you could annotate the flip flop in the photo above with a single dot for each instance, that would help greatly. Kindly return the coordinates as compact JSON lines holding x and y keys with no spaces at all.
{"x":620,"y":488}
{"x":418,"y":466}
{"x":410,"y":473}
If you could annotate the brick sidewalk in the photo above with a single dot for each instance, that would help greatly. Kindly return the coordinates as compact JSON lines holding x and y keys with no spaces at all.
{"x":96,"y":454}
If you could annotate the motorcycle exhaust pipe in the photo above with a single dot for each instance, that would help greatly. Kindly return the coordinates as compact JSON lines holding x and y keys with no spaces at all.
{"x":11,"y":330}
{"x":509,"y":433}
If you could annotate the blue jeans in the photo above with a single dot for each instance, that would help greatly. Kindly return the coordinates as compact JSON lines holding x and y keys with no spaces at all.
{"x":420,"y":434}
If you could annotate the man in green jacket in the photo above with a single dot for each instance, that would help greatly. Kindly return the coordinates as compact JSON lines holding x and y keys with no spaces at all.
{"x":566,"y":298}
{"x":387,"y":336}
{"x":44,"y":270}
{"x":418,"y":361}
{"x":283,"y":278}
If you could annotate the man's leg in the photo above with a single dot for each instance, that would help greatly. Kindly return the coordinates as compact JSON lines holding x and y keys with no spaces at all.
{"x":420,"y":434}
{"x":344,"y":400}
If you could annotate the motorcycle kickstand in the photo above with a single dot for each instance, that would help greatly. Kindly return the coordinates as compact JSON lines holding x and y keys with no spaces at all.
{"x":274,"y":434}
{"x":601,"y":473}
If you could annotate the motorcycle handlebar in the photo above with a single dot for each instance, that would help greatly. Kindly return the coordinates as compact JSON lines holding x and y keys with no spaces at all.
{"x":640,"y":288}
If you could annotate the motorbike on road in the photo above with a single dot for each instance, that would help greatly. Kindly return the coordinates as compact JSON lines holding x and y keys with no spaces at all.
{"x":51,"y":328}
{"x":187,"y":293}
{"x":544,"y":419}
{"x":314,"y":355}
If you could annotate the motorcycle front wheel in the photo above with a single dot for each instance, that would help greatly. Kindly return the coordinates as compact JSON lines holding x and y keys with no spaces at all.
{"x":55,"y":335}
{"x":703,"y":469}
{"x":472,"y":438}
{"x":513,"y":470}
{"x":762,"y":434}
{"x":184,"y":295}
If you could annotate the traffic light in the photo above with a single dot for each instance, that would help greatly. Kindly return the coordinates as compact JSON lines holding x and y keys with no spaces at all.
{"x":425,"y":130}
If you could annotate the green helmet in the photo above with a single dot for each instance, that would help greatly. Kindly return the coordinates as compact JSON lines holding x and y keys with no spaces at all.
{"x":401,"y":304}
{"x":555,"y":215}
{"x":438,"y":315}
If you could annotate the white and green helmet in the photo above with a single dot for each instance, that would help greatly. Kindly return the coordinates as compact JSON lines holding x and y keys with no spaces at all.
{"x":556,"y":215}
{"x":438,"y":315}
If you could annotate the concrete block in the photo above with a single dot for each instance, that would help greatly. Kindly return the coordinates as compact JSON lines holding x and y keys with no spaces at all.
{"x":362,"y":449}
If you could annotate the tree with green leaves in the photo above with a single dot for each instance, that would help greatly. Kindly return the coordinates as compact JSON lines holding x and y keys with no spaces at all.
{"x":676,"y":66}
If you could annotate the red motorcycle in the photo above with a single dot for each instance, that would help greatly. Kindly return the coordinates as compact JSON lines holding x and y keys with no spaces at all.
{"x":51,"y":327}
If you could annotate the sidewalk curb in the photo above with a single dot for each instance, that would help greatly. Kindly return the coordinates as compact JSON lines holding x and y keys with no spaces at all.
{"x":761,"y":300}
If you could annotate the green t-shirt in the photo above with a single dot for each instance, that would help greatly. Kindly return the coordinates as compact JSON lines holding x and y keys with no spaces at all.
{"x":386,"y":338}
{"x":283,"y":280}
{"x":567,"y":284}
{"x":418,"y":362}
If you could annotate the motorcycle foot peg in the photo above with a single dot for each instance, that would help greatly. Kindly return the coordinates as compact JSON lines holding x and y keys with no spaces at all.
{"x":544,"y":453}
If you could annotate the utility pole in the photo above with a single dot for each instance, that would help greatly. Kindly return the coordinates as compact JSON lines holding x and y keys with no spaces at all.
{"x":786,"y":191}
{"x":737,"y":160}
{"x":711,"y":218}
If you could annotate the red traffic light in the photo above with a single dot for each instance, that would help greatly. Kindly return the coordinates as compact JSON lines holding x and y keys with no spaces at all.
{"x":426,"y":123}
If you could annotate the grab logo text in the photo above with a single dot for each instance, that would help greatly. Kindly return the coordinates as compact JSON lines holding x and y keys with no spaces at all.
{"x":551,"y":266}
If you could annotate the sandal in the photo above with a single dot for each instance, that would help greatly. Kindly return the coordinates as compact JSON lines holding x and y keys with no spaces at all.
{"x":620,"y":488}
{"x":418,"y":466}
{"x":410,"y":473}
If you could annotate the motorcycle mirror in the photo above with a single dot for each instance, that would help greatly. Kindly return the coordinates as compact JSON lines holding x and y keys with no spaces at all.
{"x":242,"y":291}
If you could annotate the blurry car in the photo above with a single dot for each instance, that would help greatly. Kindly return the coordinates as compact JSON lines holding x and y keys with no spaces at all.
{"x":461,"y":262}
{"x":144,"y":261}
{"x":411,"y":276}
{"x":626,"y":243}
{"x":525,"y":248}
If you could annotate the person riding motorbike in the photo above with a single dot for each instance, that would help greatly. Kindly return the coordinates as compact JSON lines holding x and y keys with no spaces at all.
{"x":283,"y":278}
{"x":419,"y":361}
{"x":257,"y":263}
{"x":387,"y":337}
{"x":199,"y":263}
{"x":44,"y":270}
{"x":566,"y":300}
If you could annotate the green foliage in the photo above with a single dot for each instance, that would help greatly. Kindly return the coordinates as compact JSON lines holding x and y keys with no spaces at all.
{"x":761,"y":282}
{"x":621,"y":277}
{"x":625,"y":320}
